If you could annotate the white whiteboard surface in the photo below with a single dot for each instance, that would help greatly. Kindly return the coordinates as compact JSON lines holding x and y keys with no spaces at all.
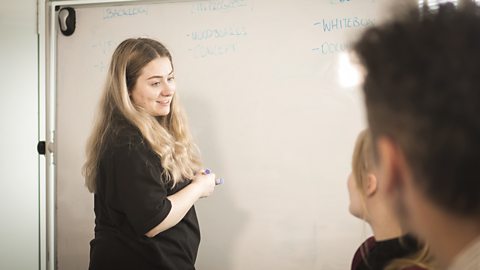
{"x":259,"y":81}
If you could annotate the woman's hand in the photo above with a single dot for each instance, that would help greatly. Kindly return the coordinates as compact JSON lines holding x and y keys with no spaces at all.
{"x":205,"y":182}
{"x":202,"y":186}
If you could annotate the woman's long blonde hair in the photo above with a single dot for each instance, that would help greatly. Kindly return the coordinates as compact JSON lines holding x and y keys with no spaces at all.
{"x":362,"y":165}
{"x":168,"y":136}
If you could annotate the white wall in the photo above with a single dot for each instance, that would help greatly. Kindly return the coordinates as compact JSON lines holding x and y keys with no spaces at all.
{"x":19,"y":133}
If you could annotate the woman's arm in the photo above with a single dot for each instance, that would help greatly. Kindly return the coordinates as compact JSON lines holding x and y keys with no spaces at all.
{"x":202,"y":186}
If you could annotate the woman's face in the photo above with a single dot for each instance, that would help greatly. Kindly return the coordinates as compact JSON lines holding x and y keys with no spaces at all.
{"x":356,"y":206}
{"x":155,"y":87}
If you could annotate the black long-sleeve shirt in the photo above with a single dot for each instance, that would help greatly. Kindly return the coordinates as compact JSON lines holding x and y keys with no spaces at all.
{"x":131,"y":199}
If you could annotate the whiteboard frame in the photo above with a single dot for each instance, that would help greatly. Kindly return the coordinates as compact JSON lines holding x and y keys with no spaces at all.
{"x":73,"y":3}
{"x":50,"y":101}
{"x":42,"y":171}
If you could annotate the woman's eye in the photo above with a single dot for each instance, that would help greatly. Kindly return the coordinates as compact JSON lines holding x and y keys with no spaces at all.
{"x":156,"y":84}
{"x":171,"y":79}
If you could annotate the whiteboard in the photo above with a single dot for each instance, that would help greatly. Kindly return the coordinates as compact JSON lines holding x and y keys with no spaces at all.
{"x":259,"y":80}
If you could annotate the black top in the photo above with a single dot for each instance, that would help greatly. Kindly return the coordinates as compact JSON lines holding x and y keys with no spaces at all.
{"x":373,"y":255}
{"x":131,"y":199}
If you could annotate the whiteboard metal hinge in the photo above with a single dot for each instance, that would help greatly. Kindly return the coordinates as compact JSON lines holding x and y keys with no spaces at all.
{"x":51,"y":147}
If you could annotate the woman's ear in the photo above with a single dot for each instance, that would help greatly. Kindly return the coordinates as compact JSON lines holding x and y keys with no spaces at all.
{"x":371,"y":186}
{"x":391,"y":164}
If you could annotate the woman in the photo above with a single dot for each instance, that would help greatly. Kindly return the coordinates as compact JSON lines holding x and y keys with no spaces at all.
{"x":390,"y":248}
{"x":139,"y":157}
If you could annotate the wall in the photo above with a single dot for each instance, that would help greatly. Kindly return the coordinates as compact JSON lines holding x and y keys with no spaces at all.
{"x":19,"y":121}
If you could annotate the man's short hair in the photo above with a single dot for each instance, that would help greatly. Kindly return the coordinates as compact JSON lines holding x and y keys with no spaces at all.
{"x":422,"y":89}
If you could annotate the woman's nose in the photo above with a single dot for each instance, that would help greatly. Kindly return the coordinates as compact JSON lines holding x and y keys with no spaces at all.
{"x":167,"y":90}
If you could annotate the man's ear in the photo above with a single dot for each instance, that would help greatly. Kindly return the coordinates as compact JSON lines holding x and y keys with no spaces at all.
{"x":390,"y":164}
{"x":371,"y":186}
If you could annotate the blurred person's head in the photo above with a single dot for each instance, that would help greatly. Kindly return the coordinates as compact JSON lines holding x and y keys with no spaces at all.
{"x":422,"y":93}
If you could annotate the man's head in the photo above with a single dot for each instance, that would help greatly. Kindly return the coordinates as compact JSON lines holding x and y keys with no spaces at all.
{"x":422,"y":92}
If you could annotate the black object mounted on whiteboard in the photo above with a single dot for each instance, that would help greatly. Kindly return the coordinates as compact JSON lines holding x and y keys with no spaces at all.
{"x":67,"y":20}
{"x":43,"y":146}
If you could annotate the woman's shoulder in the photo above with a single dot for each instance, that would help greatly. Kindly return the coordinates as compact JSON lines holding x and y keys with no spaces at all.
{"x":362,"y":251}
{"x":414,"y":267}
{"x":124,"y":132}
{"x":367,"y":245}
{"x":126,"y":138}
